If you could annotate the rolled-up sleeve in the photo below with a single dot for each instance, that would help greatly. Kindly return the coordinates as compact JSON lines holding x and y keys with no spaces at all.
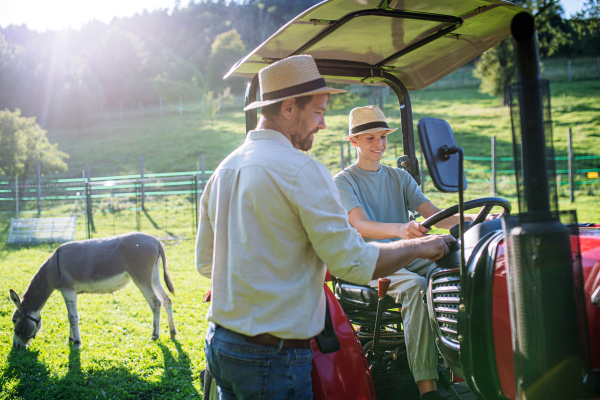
{"x":205,"y":238}
{"x":412,"y":192}
{"x":334,"y":240}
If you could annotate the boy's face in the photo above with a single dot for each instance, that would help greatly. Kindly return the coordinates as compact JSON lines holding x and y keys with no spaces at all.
{"x":371,"y":146}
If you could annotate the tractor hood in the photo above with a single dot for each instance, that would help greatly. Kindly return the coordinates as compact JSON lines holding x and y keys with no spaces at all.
{"x":419,"y":41}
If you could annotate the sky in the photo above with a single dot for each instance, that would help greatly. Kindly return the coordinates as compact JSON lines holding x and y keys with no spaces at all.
{"x":40,"y":15}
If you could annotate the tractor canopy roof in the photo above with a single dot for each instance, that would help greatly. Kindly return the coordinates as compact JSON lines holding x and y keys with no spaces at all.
{"x":417,"y":41}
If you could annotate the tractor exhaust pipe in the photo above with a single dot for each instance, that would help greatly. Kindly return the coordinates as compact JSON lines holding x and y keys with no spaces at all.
{"x":536,"y":193}
{"x":546,"y":344}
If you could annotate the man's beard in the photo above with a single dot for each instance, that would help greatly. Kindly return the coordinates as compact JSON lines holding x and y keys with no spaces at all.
{"x":304,"y":143}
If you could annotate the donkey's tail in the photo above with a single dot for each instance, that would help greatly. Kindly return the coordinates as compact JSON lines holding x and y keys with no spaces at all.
{"x":166,"y":275}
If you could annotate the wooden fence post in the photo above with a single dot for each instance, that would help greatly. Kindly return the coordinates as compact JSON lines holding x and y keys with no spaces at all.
{"x":161,"y":106}
{"x":598,"y":60}
{"x":89,"y":199}
{"x":142,"y":181}
{"x":349,"y":154}
{"x":85,"y":197}
{"x":342,"y":164}
{"x":17,"y":194}
{"x":494,"y":187}
{"x":203,"y":171}
{"x":571,"y":183}
{"x":39,"y":189}
{"x":197,"y":182}
{"x":569,"y":70}
{"x":88,"y":210}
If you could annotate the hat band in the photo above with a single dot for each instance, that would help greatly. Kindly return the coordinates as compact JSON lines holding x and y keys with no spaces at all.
{"x":369,"y":125}
{"x":294,"y":90}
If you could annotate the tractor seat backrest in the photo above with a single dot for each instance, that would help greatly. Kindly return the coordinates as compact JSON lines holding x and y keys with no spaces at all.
{"x":357,"y":297}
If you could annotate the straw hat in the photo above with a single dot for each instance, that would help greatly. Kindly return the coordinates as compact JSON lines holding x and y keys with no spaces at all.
{"x":294,"y":76}
{"x":367,"y":120}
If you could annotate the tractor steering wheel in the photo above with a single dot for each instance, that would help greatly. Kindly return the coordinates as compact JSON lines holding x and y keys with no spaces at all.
{"x":487,"y":203}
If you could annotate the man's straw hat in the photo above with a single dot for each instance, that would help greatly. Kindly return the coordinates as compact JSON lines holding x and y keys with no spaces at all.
{"x":367,"y":120}
{"x":294,"y":76}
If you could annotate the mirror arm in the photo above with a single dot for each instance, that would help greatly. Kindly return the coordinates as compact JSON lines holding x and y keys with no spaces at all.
{"x":446,"y":153}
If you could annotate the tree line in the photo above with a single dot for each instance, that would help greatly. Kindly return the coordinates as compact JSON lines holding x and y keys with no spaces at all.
{"x":60,"y":75}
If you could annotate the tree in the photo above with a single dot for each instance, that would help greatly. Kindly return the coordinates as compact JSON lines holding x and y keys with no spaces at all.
{"x":226,"y":50}
{"x":22,"y":144}
{"x":587,"y":24}
{"x":496,"y":67}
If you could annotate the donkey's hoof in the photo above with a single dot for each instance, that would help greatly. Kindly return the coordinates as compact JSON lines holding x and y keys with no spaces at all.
{"x":154,"y":337}
{"x":174,"y":334}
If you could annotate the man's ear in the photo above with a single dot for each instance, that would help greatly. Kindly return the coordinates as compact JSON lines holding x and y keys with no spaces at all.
{"x":287,"y":108}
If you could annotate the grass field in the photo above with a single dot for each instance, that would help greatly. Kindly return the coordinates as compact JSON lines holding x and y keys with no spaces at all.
{"x":118,"y":360}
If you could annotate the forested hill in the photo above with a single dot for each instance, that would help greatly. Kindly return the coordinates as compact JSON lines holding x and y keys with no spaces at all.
{"x":61,"y":75}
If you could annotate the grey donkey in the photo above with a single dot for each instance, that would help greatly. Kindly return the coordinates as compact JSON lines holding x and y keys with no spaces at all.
{"x":94,"y":266}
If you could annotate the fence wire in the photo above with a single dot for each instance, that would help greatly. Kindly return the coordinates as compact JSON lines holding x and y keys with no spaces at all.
{"x":163,"y":205}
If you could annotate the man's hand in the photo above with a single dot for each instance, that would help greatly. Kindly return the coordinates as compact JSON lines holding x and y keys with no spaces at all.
{"x":434,"y":247}
{"x":412,"y":230}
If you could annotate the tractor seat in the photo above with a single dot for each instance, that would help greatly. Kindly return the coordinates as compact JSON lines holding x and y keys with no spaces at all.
{"x":360,"y":302}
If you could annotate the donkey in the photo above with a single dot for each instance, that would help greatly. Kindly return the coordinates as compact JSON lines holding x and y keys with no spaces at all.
{"x":94,"y":266}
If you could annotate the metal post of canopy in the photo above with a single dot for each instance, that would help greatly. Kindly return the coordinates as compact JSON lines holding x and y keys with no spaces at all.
{"x":251,"y":115}
{"x":408,"y":136}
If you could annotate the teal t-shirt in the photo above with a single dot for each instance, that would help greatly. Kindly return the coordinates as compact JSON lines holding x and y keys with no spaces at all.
{"x":388,"y":195}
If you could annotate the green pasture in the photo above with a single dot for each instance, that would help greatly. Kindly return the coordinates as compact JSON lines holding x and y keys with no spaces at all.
{"x":118,"y":360}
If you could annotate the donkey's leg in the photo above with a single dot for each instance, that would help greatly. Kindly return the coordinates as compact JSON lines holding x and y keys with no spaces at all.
{"x":70,"y":297}
{"x":154,"y":304}
{"x":164,"y":298}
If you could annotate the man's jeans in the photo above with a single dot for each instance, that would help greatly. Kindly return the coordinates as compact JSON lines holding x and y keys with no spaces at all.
{"x":244,"y":370}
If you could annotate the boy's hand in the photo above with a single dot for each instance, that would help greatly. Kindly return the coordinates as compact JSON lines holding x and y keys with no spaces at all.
{"x":412,"y":230}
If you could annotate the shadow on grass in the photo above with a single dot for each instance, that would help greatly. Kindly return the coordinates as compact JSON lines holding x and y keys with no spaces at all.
{"x":155,"y":225}
{"x":26,"y":377}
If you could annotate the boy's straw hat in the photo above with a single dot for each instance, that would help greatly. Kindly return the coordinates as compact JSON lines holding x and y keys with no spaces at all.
{"x":367,"y":120}
{"x":294,"y":76}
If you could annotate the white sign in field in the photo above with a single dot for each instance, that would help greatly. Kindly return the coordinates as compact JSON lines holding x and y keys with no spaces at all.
{"x":38,"y":230}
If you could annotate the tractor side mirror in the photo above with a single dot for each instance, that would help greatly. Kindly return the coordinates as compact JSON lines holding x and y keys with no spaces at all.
{"x":436,"y":138}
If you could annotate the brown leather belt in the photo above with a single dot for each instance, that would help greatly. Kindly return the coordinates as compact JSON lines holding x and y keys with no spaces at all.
{"x":266,"y":339}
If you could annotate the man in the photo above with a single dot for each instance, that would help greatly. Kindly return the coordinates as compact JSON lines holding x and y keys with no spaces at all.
{"x":270,"y":221}
{"x":378,"y":200}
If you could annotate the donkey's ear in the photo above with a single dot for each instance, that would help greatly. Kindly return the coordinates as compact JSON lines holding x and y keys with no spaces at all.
{"x":16,"y":300}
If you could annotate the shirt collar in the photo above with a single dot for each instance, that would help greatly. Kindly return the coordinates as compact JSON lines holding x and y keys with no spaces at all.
{"x":268,"y":134}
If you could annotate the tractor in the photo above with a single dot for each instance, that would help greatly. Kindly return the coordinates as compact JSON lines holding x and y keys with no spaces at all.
{"x":515,"y":306}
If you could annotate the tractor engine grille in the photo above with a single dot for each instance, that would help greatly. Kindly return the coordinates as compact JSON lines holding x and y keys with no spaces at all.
{"x":445,"y":294}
